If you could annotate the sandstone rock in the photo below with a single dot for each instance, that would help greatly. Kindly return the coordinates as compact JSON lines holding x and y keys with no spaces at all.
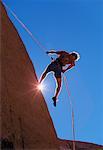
{"x":25,"y":119}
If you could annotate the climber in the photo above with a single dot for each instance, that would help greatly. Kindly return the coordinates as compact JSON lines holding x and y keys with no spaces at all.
{"x":57,"y":67}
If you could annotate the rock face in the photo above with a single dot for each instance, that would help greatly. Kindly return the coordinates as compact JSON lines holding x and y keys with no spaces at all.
{"x":68,"y":145}
{"x":25,"y":117}
{"x":25,"y":120}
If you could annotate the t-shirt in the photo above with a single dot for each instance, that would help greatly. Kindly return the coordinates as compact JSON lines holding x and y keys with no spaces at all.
{"x":64,"y":58}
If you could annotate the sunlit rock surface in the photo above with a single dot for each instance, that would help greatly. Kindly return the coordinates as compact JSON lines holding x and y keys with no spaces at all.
{"x":25,"y":120}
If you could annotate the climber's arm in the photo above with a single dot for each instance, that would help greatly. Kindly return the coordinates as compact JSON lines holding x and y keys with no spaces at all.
{"x":69,"y":67}
{"x":56,"y":52}
{"x":51,"y":52}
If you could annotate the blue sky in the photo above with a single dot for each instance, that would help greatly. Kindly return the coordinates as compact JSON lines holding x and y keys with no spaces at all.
{"x":68,"y":25}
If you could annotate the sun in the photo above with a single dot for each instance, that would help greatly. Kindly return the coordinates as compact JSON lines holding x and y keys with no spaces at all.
{"x":41,"y":87}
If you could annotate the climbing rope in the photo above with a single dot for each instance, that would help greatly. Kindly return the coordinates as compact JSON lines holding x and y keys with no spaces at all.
{"x":72,"y":111}
{"x":43,"y":48}
{"x":26,"y":28}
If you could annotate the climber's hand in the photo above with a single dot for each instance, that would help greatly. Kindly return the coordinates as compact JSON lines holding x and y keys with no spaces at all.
{"x":47,"y":52}
{"x":63,"y":71}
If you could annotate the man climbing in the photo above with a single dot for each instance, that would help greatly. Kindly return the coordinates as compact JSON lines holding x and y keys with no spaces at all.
{"x":64,"y":58}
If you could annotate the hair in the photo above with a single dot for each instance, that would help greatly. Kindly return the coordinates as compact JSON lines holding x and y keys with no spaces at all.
{"x":76,"y":55}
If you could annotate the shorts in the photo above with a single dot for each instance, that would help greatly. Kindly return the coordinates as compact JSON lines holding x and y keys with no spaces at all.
{"x":56,"y":68}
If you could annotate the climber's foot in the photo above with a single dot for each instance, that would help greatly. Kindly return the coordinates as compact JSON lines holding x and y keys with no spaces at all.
{"x":54,"y":101}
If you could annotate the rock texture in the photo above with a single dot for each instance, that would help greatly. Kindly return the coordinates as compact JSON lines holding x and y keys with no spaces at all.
{"x":25,"y":117}
{"x":68,"y":145}
{"x":25,"y":120}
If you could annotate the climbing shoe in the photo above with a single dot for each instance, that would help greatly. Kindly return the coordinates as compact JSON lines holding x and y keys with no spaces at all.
{"x":54,"y":101}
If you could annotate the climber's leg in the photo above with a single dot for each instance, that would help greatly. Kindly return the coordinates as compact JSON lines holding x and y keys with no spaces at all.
{"x":57,"y":89}
{"x":43,"y":76}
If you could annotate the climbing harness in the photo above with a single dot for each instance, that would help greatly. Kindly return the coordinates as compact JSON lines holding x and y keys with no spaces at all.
{"x":43,"y":48}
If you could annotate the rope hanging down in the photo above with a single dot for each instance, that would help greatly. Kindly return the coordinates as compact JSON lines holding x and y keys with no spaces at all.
{"x":43,"y":48}
{"x":72,"y":111}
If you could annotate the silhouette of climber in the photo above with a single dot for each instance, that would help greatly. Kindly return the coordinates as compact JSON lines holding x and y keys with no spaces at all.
{"x":64,"y":58}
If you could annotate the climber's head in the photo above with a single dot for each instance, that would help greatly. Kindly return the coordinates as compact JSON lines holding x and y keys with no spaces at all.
{"x":75,"y":56}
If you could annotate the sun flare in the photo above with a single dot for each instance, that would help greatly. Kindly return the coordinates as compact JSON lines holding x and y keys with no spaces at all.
{"x":41,"y":87}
